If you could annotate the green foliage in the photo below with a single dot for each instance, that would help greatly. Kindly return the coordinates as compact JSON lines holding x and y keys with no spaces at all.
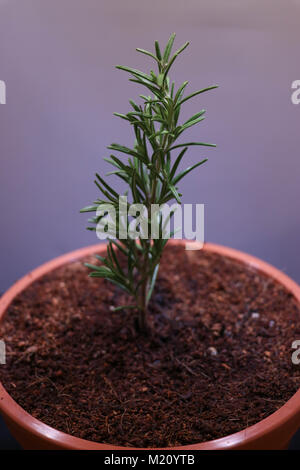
{"x":149,"y":172}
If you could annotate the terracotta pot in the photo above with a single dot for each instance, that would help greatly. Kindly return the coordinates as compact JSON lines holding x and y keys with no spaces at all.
{"x":274,"y":432}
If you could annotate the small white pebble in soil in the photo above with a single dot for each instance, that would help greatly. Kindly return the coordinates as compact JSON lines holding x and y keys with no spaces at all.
{"x":271,"y":323}
{"x":212,"y":351}
{"x":31,"y":349}
{"x":255,"y":315}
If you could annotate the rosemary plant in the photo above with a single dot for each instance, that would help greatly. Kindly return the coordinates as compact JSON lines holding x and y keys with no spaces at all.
{"x":151,"y":175}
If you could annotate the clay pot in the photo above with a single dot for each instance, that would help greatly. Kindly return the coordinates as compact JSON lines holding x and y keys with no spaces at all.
{"x":273,"y":432}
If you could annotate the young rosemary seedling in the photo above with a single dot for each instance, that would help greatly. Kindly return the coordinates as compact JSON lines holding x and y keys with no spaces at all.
{"x":152,"y":176}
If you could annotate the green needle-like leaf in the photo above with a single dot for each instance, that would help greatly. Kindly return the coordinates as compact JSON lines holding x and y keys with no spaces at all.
{"x":188,"y":144}
{"x":168,"y":48}
{"x":143,"y":51}
{"x":109,"y":188}
{"x":89,"y":209}
{"x":152,"y":284}
{"x":188,"y":170}
{"x":157,"y":50}
{"x":195,"y":94}
{"x":173,"y":59}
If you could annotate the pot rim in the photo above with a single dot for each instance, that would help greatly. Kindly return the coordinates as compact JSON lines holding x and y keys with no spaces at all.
{"x":15,"y":414}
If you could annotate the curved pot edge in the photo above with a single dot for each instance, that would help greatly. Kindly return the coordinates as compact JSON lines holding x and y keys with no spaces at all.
{"x":15,"y":415}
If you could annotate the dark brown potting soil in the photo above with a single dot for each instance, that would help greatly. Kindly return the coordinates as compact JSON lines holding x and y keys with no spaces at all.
{"x":218,"y":359}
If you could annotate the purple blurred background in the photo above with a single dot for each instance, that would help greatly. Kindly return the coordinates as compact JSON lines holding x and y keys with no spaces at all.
{"x":57,"y":58}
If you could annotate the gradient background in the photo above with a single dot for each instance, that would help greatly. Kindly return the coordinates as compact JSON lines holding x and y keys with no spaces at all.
{"x":57,"y":58}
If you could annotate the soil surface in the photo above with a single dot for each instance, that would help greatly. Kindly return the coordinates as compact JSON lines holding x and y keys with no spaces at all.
{"x":218,"y":359}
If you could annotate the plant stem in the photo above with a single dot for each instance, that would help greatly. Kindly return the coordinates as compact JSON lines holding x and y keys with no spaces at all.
{"x":151,"y":199}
